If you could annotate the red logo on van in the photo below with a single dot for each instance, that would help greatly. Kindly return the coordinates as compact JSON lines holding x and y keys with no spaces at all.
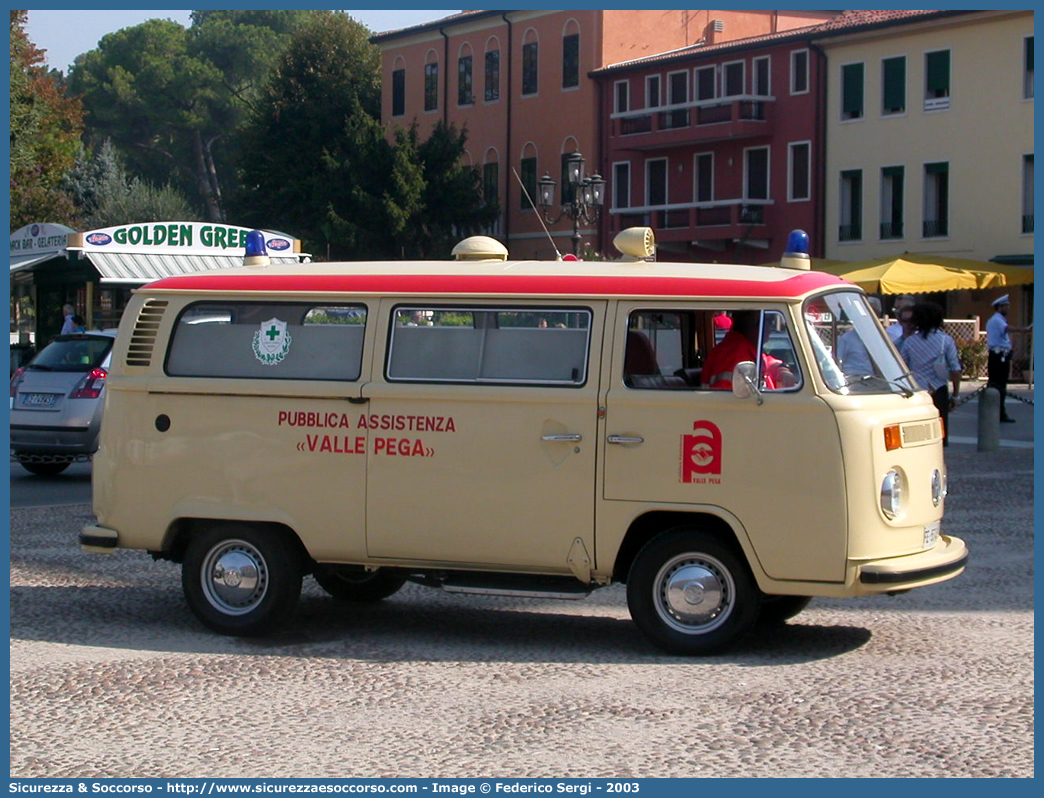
{"x":701,"y":452}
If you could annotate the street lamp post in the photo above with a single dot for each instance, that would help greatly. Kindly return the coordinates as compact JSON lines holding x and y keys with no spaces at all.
{"x":585,"y":204}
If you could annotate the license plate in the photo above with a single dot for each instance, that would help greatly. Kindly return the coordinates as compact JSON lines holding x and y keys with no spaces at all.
{"x":931,"y":534}
{"x":39,"y":399}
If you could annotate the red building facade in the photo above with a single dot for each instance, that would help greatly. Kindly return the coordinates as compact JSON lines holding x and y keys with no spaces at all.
{"x":528,"y":88}
{"x":717,"y":148}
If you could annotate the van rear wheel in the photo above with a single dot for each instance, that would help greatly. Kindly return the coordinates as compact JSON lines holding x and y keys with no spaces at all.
{"x":689,"y":593}
{"x":355,"y":583}
{"x":240,"y":580}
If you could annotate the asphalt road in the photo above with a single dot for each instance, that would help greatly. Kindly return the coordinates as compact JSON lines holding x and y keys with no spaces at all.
{"x":72,"y":486}
{"x":112,"y":677}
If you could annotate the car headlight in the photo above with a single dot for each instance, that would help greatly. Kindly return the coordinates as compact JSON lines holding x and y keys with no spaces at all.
{"x":938,"y":487}
{"x":892,"y":495}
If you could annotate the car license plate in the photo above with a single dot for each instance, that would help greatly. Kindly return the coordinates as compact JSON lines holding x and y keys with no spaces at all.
{"x":39,"y":399}
{"x":931,"y":534}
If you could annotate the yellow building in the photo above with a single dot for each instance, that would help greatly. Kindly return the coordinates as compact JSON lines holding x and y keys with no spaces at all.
{"x":929,"y":130}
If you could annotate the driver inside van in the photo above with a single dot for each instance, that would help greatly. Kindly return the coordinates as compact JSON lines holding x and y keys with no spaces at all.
{"x":741,"y":344}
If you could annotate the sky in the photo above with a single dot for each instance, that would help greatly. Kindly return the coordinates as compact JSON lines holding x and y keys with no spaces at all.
{"x":66,"y":34}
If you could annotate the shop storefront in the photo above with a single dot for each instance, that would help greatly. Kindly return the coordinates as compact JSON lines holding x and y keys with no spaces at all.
{"x":96,"y":271}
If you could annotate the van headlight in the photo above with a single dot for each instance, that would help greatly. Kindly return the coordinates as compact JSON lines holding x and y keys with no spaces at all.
{"x":892,"y":495}
{"x":938,"y":487}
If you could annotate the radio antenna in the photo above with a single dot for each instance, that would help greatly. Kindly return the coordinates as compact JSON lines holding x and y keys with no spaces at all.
{"x":558,"y":254}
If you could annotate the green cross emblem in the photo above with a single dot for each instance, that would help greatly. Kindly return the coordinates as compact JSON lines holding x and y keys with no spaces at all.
{"x":273,"y":333}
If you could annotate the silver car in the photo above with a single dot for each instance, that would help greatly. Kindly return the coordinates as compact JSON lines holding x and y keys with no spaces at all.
{"x":56,"y":402}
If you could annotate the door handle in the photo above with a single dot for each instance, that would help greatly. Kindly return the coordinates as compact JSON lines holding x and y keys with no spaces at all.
{"x":570,"y":438}
{"x":625,"y":439}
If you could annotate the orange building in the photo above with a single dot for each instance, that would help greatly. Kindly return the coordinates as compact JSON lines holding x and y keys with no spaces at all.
{"x":519,"y":83}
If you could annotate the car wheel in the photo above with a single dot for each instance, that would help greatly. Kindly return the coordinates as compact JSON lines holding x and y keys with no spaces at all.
{"x":354,"y":583}
{"x":44,"y":469}
{"x":780,"y":609}
{"x":241,"y":580}
{"x":689,"y":593}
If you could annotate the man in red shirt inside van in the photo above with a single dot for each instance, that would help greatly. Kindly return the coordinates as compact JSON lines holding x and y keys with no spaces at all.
{"x":738,"y":345}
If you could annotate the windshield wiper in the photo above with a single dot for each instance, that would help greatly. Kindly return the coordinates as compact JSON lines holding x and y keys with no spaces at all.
{"x":907,"y":393}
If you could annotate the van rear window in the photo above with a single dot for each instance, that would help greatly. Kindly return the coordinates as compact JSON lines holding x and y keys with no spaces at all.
{"x":273,"y":340}
{"x":545,"y":346}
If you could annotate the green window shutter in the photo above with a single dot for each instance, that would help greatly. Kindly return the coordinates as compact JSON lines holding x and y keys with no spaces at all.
{"x":895,"y":174}
{"x":852,"y":91}
{"x":937,"y":66}
{"x":528,"y":169}
{"x":937,"y":168}
{"x":894,"y":79}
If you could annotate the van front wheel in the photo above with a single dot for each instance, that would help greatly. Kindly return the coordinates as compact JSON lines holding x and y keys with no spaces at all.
{"x":241,"y":580}
{"x":689,"y":593}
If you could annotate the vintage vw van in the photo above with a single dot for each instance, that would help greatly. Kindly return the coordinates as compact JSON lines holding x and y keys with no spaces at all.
{"x":522,"y":428}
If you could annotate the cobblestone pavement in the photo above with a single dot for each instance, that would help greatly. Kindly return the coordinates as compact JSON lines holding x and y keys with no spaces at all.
{"x":111,"y":676}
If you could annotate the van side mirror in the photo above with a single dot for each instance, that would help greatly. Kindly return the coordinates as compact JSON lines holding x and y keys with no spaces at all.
{"x":744,"y":381}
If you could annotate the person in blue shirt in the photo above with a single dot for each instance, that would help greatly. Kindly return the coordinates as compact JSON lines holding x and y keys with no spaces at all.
{"x":932,"y":356}
{"x":998,"y":341}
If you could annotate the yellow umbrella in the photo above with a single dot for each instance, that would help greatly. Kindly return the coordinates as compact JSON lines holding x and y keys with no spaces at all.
{"x":917,"y":274}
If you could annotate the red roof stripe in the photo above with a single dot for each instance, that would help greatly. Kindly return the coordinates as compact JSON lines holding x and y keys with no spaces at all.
{"x":484,"y":284}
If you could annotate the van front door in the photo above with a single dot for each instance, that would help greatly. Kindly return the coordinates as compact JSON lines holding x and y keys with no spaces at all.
{"x":674,"y":441}
{"x":482,"y":434}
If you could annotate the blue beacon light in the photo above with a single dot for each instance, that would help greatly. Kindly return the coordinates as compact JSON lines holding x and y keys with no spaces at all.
{"x":795,"y":256}
{"x":256,"y":253}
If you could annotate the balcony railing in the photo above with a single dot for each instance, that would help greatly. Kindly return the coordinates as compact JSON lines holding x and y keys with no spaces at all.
{"x":719,"y":111}
{"x":850,"y":232}
{"x":734,"y":213}
{"x":891,"y":230}
{"x":935,"y":228}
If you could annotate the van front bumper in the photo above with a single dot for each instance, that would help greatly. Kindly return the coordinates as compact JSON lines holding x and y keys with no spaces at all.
{"x":99,"y":538}
{"x":945,"y":560}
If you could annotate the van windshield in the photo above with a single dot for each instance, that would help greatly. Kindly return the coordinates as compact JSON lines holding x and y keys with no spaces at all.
{"x":852,"y":351}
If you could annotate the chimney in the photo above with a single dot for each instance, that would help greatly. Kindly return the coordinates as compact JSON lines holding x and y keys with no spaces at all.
{"x":715,"y":29}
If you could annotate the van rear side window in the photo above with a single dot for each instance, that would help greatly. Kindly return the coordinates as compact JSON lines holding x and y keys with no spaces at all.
{"x":270,"y":340}
{"x":545,"y":346}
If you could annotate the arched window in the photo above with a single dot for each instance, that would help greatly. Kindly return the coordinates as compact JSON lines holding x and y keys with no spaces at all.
{"x":528,"y":173}
{"x":569,"y":146}
{"x":492,"y":70}
{"x":571,"y":55}
{"x":431,"y":81}
{"x":530,"y":62}
{"x":465,"y":83}
{"x":399,"y":87}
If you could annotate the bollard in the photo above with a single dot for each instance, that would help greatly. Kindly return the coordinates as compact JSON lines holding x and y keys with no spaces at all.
{"x":989,"y":420}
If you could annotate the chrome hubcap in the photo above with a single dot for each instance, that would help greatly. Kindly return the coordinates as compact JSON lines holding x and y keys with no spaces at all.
{"x":235,"y":577}
{"x":694,"y":593}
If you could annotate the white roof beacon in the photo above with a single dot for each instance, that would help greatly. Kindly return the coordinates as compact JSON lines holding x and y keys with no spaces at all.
{"x":636,"y":244}
{"x":796,"y":254}
{"x":477,"y":248}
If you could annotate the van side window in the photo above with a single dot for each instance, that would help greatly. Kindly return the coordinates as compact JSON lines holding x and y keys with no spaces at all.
{"x":541,"y":346}
{"x":659,"y":353}
{"x":691,"y":349}
{"x":270,"y":340}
